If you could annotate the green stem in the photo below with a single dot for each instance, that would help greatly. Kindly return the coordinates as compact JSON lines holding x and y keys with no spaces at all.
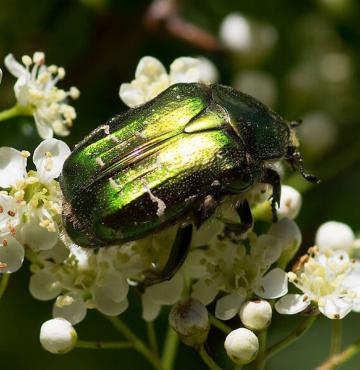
{"x":219,"y":324}
{"x":212,"y":365}
{"x":336,"y":337}
{"x":150,"y":328}
{"x":340,"y":358}
{"x":260,"y":361}
{"x":136,"y":342}
{"x":292,"y":337}
{"x":170,"y":349}
{"x":16,"y":110}
{"x":4,"y":283}
{"x":102,"y":345}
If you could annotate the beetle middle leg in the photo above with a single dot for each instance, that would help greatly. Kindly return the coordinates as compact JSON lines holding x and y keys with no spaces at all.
{"x":271,"y":177}
{"x":179,"y":251}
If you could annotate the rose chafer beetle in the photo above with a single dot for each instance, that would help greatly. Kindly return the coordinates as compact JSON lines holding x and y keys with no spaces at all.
{"x":172,"y":160}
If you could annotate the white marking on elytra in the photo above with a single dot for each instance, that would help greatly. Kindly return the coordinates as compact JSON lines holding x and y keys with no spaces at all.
{"x":113,"y":183}
{"x":106,"y":129}
{"x":160,"y":203}
{"x":100,"y":162}
{"x":114,"y":139}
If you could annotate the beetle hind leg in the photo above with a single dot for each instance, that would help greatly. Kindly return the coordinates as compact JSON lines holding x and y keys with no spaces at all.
{"x":178,"y":253}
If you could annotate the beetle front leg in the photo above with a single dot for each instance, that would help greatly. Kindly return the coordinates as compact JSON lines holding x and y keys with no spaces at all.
{"x":246,"y":220}
{"x":271,"y":177}
{"x":179,"y":250}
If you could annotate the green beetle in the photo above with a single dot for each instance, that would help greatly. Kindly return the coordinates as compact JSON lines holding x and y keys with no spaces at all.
{"x":173,"y":160}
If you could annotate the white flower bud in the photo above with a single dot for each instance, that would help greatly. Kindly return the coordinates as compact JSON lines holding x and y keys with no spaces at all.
{"x":290,"y":203}
{"x":256,"y":315}
{"x":190,"y":319}
{"x":334,"y":235}
{"x":241,"y":346}
{"x":58,"y":336}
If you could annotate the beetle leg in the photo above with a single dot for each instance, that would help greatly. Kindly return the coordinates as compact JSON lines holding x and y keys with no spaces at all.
{"x":272,"y":177}
{"x":178,"y":253}
{"x":243,"y":210}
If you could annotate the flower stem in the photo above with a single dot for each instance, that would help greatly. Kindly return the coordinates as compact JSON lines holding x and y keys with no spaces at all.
{"x":292,"y":337}
{"x":136,"y":342}
{"x":102,"y":345}
{"x":16,"y":110}
{"x":336,"y":337}
{"x":170,"y":349}
{"x":340,"y":358}
{"x":150,"y":328}
{"x":219,"y":324}
{"x":260,"y":361}
{"x":4,"y":283}
{"x":212,"y":365}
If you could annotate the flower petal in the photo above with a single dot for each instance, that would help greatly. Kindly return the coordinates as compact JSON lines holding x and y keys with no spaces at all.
{"x":185,"y":69}
{"x":205,"y":291}
{"x":44,"y":130}
{"x":131,"y":95}
{"x":38,"y":238}
{"x":335,"y":307}
{"x":70,"y":307}
{"x":44,"y":285}
{"x":113,"y":285}
{"x":151,"y":309}
{"x":292,"y":304}
{"x":14,"y":67}
{"x":49,"y":158}
{"x":167,"y":292}
{"x":273,"y":285}
{"x":12,"y":166}
{"x":107,"y":306}
{"x":229,"y":306}
{"x":11,"y":256}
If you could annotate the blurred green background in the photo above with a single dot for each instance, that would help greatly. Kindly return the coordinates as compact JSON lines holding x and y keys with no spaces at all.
{"x":310,"y":69}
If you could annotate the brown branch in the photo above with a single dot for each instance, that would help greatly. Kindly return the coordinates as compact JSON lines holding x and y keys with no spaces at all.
{"x":165,"y":15}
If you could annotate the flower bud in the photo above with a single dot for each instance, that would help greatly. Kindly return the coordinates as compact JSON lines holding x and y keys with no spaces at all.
{"x":290,"y":203}
{"x":58,"y":336}
{"x":190,"y":319}
{"x":241,"y":346}
{"x":334,"y":235}
{"x":256,"y":315}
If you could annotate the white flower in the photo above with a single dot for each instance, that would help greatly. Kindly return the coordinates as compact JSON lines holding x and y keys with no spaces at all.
{"x":151,"y":77}
{"x":227,"y":267}
{"x":30,"y":204}
{"x":334,"y":235}
{"x":58,"y":336}
{"x":242,"y":346}
{"x":37,"y":94}
{"x":328,"y":279}
{"x":1,"y":74}
{"x":256,"y":315}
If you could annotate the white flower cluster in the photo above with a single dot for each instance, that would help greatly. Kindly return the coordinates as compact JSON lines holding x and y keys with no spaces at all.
{"x":30,"y":202}
{"x":327,"y":275}
{"x":37,"y":94}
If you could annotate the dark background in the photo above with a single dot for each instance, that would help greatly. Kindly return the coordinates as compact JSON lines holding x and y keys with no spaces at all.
{"x":99,"y":42}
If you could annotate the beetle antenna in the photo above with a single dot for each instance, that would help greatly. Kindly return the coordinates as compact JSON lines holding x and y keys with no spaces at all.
{"x":296,"y":123}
